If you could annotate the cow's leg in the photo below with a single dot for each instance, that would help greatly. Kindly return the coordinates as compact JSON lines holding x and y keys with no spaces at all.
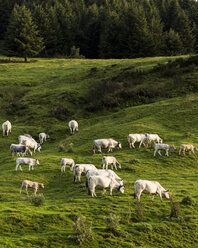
{"x":160,"y":195}
{"x":20,"y":167}
{"x":111,"y":189}
{"x":79,"y":175}
{"x":166,"y":153}
{"x":103,"y":166}
{"x":155,"y":152}
{"x":152,"y":198}
{"x":26,"y":189}
{"x":107,"y":166}
{"x":138,"y":197}
{"x":35,"y":190}
{"x":29,"y":167}
{"x":180,"y":151}
{"x":115,"y":166}
{"x":159,"y":153}
{"x":17,"y":166}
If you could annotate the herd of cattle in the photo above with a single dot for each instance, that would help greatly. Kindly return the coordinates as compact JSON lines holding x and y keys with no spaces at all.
{"x":105,"y":177}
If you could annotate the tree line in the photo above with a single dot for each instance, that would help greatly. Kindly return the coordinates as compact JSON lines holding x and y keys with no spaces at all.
{"x":99,"y":28}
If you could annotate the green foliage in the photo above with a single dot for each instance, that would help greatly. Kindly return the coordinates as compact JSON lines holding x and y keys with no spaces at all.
{"x":144,"y":227}
{"x":37,"y":200}
{"x":188,"y":200}
{"x":175,"y":208}
{"x":83,"y":230}
{"x":112,"y":222}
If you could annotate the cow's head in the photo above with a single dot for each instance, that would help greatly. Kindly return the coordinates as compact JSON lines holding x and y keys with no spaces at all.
{"x":119,"y":145}
{"x":41,"y":185}
{"x":195,"y":148}
{"x":118,"y":165}
{"x":37,"y":161}
{"x":121,"y":189}
{"x":172,"y":148}
{"x":38,"y":147}
{"x":160,"y":141}
{"x":166,"y":194}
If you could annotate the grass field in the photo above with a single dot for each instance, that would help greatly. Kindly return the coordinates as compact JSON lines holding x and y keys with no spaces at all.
{"x":32,"y":96}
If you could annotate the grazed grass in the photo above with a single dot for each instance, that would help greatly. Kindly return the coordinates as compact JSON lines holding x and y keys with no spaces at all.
{"x":50,"y":82}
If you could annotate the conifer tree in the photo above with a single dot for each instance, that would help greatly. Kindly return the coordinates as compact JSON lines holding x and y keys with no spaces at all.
{"x":22,"y":38}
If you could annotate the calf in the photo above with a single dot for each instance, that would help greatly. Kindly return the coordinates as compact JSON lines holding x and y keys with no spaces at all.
{"x":106,"y":160}
{"x":187,"y":147}
{"x":29,"y":161}
{"x":106,"y":143}
{"x":29,"y":184}
{"x":73,"y":126}
{"x":7,"y":127}
{"x":164,"y":147}
{"x":20,"y":149}
{"x":67,"y":161}
{"x":82,"y":168}
{"x":43,"y":137}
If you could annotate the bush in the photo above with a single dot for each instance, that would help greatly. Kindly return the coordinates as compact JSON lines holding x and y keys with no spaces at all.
{"x":61,"y":147}
{"x":37,"y":200}
{"x":144,"y":227}
{"x":188,"y":200}
{"x":82,"y":229}
{"x":112,"y":222}
{"x":75,"y":53}
{"x":175,"y":208}
{"x":70,"y":148}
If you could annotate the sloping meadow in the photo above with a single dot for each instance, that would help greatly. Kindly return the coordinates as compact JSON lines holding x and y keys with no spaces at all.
{"x":54,"y":91}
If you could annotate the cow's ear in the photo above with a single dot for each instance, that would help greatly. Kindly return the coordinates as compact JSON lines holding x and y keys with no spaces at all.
{"x":166,"y":190}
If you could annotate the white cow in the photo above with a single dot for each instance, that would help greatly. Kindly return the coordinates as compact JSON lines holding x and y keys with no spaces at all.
{"x":149,"y":187}
{"x":153,"y":138}
{"x":67,"y":161}
{"x":29,"y":184}
{"x":106,"y":143}
{"x":187,"y":147}
{"x":106,"y":160}
{"x":164,"y":147}
{"x":133,"y":138}
{"x":82,"y":168}
{"x":43,"y":137}
{"x":29,"y":161}
{"x":73,"y":125}
{"x":104,"y":182}
{"x":107,"y":173}
{"x":29,"y":142}
{"x":7,"y":127}
{"x":20,"y":149}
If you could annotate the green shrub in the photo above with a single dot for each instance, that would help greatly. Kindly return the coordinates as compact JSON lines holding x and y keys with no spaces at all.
{"x":83,"y":230}
{"x":61,"y":147}
{"x":70,"y":148}
{"x":188,"y":200}
{"x":175,"y":208}
{"x":144,"y":227}
{"x":37,"y":200}
{"x":112,"y":222}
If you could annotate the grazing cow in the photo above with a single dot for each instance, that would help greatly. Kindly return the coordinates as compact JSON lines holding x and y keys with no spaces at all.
{"x":104,"y":182}
{"x":106,"y":143}
{"x":153,"y":138}
{"x":149,"y":187}
{"x":29,"y":142}
{"x":164,"y":147}
{"x":82,"y":168}
{"x":73,"y":125}
{"x":7,"y":127}
{"x":133,"y":138}
{"x":29,"y":184}
{"x":67,"y":161}
{"x":106,"y":160}
{"x":187,"y":147}
{"x":107,"y":173}
{"x":20,"y":149}
{"x":43,"y":137}
{"x":29,"y":161}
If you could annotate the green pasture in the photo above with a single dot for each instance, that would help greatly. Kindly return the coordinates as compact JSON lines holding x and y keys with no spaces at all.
{"x":29,"y":93}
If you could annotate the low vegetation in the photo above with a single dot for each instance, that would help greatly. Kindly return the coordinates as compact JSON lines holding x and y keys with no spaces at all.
{"x":37,"y":88}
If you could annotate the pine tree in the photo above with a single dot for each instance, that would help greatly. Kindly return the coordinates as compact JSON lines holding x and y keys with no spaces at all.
{"x":22,"y":38}
{"x":172,"y":43}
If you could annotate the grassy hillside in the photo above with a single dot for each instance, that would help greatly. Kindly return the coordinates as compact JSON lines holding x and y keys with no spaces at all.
{"x":43,"y":96}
